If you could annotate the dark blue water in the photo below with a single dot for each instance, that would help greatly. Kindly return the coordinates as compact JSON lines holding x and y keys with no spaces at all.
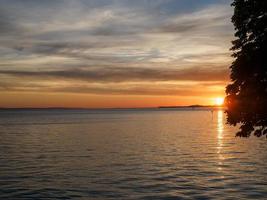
{"x":128,"y":154}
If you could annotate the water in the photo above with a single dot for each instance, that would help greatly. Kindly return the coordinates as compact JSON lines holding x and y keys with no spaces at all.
{"x":128,"y":154}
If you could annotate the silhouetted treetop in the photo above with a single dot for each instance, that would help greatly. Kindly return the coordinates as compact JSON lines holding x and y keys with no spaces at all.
{"x":246,"y":99}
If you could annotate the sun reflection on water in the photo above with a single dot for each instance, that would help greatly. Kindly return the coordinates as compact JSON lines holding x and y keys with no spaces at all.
{"x":220,"y":137}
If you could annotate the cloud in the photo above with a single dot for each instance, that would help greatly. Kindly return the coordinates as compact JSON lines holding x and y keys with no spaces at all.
{"x":124,"y":74}
{"x":175,"y":88}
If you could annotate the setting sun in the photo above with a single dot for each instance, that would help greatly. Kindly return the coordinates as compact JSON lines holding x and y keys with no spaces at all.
{"x":219,"y":101}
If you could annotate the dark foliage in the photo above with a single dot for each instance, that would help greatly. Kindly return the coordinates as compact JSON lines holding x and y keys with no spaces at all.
{"x":246,"y":99}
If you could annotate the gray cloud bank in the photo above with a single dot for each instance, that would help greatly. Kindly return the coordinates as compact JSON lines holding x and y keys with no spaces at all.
{"x":120,"y":74}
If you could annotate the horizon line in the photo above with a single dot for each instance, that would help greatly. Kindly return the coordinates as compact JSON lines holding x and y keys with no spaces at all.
{"x":106,"y":108}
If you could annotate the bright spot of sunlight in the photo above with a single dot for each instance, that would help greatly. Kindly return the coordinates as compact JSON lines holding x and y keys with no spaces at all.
{"x":219,"y":101}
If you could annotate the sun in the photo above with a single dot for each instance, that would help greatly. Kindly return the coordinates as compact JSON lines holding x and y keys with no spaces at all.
{"x":219,"y":101}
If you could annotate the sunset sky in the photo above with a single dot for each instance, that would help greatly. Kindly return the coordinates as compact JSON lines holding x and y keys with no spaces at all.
{"x":113,"y":53}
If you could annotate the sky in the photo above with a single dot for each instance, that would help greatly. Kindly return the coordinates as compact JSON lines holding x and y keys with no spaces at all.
{"x":114,"y":53}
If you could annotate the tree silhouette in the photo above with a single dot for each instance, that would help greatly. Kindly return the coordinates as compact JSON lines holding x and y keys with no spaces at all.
{"x":246,"y":99}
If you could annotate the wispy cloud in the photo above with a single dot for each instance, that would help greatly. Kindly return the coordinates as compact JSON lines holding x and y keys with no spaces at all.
{"x":124,"y":74}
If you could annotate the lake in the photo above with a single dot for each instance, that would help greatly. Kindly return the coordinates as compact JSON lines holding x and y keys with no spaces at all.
{"x":128,"y":154}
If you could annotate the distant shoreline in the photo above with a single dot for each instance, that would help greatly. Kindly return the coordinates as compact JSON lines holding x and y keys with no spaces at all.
{"x":211,"y":107}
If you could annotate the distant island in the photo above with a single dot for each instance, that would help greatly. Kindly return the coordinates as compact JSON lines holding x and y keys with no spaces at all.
{"x":194,"y":107}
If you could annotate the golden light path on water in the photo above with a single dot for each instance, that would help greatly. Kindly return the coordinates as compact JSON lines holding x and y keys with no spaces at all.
{"x":220,"y":137}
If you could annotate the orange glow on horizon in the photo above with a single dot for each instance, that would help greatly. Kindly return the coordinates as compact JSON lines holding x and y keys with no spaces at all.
{"x":43,"y":99}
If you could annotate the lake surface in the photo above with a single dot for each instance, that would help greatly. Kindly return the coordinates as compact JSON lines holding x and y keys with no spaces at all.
{"x":128,"y":154}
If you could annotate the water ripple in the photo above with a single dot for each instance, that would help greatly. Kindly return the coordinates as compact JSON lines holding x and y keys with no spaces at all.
{"x":128,"y":155}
